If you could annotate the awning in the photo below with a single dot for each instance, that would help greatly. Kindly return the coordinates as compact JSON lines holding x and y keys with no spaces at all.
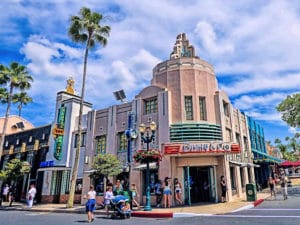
{"x":289,"y":163}
{"x":265,"y":157}
{"x":242,"y":164}
{"x":89,"y":171}
{"x":252,"y":165}
{"x":152,"y":165}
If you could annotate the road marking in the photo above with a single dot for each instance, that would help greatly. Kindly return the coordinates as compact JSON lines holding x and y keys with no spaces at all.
{"x":177,"y":215}
{"x":36,"y":214}
{"x":256,"y":216}
{"x":276,"y":209}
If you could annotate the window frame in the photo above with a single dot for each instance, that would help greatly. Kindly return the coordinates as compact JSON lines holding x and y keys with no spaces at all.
{"x":100,"y":143}
{"x":202,"y":108}
{"x":150,"y":106}
{"x":122,"y":142}
{"x":188,"y":106}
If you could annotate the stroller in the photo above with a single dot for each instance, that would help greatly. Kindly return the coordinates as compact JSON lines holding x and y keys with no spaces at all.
{"x":117,"y":205}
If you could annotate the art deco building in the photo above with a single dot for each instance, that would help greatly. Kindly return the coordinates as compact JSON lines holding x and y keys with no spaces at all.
{"x":199,"y":133}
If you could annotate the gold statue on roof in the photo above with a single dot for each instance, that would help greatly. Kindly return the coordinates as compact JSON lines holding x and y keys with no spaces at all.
{"x":70,"y":86}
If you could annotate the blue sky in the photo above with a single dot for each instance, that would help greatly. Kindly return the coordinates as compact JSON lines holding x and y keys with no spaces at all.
{"x":254,"y":47}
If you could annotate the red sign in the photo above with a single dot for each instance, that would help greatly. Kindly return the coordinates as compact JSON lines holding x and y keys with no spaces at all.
{"x":217,"y":147}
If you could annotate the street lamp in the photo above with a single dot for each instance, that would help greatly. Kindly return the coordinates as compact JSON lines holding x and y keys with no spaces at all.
{"x":147,"y":138}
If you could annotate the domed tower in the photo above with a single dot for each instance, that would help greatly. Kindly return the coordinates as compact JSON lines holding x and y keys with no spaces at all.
{"x":193,"y":87}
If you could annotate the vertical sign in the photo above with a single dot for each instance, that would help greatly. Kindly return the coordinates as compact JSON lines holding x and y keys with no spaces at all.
{"x":58,"y":133}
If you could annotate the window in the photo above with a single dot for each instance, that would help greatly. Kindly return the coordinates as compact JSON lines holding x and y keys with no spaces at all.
{"x":228,"y":135}
{"x":101,"y":145}
{"x":246,"y":143}
{"x":83,"y":140}
{"x":202,"y":107}
{"x":188,"y":103}
{"x":152,"y":182}
{"x":232,"y":178}
{"x":238,"y":139}
{"x":122,"y":140}
{"x":242,"y":177}
{"x":99,"y":185}
{"x":226,"y":108}
{"x":150,"y":106}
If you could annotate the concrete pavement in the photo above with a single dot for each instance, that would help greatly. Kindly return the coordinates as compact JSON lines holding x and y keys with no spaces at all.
{"x":196,"y":210}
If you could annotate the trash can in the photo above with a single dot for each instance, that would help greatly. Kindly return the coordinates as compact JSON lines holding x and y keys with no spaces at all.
{"x":251,"y":192}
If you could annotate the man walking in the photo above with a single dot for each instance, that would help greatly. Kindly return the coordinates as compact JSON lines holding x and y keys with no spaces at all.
{"x":31,"y":195}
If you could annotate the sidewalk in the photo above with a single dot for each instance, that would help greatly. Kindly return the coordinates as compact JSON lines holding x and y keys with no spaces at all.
{"x":203,"y":209}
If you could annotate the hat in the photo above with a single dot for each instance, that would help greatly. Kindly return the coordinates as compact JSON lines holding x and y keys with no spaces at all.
{"x":167,"y":178}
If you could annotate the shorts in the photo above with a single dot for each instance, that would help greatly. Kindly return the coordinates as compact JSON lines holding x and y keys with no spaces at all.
{"x":90,"y":205}
{"x":167,"y":192}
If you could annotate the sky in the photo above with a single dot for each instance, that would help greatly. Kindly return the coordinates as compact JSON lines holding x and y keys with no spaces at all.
{"x":253,"y":45}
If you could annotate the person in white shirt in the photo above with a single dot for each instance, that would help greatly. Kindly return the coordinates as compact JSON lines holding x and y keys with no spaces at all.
{"x":109,"y":195}
{"x":31,"y":195}
{"x":91,"y":203}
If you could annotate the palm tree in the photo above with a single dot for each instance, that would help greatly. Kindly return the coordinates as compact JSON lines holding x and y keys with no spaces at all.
{"x":84,"y":28}
{"x":22,"y":99}
{"x":3,"y":95}
{"x":13,"y":77}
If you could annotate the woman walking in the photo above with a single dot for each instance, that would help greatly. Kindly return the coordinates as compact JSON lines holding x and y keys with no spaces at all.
{"x":178,"y":191}
{"x":271,"y":184}
{"x":167,"y":192}
{"x":31,"y":195}
{"x":223,"y":189}
{"x":135,"y":196}
{"x":91,"y":203}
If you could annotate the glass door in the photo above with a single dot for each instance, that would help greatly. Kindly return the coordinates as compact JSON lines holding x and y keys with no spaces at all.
{"x":187,"y":186}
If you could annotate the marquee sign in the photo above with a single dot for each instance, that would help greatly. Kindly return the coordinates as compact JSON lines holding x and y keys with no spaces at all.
{"x":210,"y":147}
{"x":58,"y":133}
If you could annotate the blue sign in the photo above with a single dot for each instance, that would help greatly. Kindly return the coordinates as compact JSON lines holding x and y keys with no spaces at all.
{"x":46,"y":164}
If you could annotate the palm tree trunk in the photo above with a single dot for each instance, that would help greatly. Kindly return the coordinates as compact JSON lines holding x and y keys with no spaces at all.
{"x":6,"y":120}
{"x":70,"y":202}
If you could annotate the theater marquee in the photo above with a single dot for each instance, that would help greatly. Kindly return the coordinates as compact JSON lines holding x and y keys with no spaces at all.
{"x":211,"y":147}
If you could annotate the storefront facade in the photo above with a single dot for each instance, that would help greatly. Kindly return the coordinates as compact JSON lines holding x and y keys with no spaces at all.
{"x":189,"y":109}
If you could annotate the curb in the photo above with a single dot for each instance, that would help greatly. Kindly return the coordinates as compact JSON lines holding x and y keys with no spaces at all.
{"x":147,"y":214}
{"x":257,"y":202}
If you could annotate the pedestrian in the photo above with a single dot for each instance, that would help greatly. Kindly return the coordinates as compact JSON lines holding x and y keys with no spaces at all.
{"x":90,"y":204}
{"x":167,"y":192}
{"x":118,"y":188}
{"x":5,"y":192}
{"x":271,"y":184}
{"x":178,"y":191}
{"x":223,"y":189}
{"x":135,"y":195}
{"x":158,"y":193}
{"x":109,"y":195}
{"x":284,"y":184}
{"x":31,"y":195}
{"x":11,"y":194}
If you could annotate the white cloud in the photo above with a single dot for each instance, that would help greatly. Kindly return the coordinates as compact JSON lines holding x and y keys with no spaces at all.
{"x":246,"y":102}
{"x":210,"y":42}
{"x":263,"y":82}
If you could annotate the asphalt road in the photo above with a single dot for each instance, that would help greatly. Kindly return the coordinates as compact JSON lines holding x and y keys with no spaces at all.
{"x":270,"y":212}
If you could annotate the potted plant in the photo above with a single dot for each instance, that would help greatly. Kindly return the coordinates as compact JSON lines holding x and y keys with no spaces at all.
{"x":153,"y":155}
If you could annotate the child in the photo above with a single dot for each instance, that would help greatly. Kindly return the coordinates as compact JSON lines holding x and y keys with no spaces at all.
{"x":108,"y":196}
{"x":134,"y":195}
{"x":125,"y":206}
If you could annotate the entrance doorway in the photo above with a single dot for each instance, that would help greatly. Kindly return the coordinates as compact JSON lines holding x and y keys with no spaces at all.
{"x":199,"y":184}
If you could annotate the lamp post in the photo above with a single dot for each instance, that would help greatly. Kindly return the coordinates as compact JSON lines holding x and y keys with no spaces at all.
{"x":147,"y":138}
